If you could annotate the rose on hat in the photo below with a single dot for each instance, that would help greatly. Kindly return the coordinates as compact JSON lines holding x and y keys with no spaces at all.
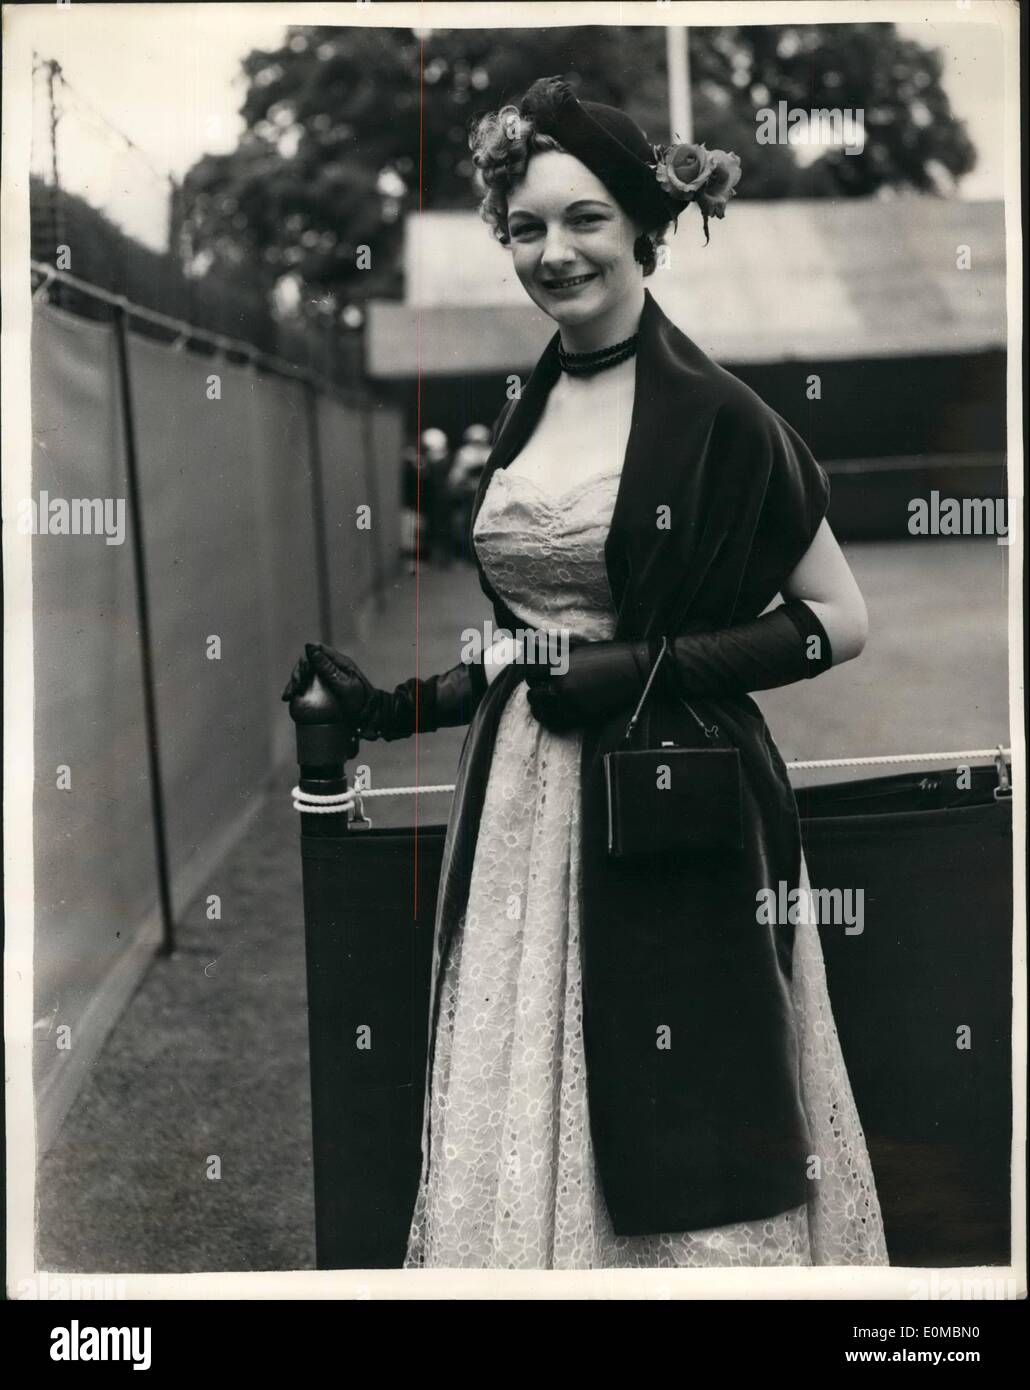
{"x":651,"y":182}
{"x":693,"y":174}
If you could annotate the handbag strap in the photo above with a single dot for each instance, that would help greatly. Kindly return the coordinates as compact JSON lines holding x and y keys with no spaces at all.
{"x":711,"y":731}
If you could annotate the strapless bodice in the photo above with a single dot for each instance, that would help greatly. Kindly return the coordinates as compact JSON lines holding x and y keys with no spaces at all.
{"x":544,"y":553}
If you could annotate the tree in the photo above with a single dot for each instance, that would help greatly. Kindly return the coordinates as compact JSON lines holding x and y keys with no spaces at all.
{"x":912,"y":138}
{"x":339,"y":122}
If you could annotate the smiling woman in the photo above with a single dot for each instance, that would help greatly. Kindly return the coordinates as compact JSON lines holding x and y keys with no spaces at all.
{"x":569,"y":235}
{"x":627,"y":1067}
{"x":570,"y":247}
{"x":580,"y":256}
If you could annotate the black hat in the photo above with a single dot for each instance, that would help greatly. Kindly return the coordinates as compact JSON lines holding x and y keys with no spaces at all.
{"x":609,"y":143}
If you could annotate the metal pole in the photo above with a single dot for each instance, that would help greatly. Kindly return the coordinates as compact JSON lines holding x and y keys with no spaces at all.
{"x":322,"y":581}
{"x":681,"y":125}
{"x":174,"y":210}
{"x":367,"y":408}
{"x":357,"y":354}
{"x":57,"y":295}
{"x":53,"y":71}
{"x":146,"y":641}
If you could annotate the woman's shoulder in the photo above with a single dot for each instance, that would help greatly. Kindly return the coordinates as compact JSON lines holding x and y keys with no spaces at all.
{"x":740,"y":408}
{"x":713,"y":390}
{"x":748,"y":432}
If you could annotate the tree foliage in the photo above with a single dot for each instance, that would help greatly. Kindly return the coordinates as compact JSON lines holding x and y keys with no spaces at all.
{"x":339,"y":123}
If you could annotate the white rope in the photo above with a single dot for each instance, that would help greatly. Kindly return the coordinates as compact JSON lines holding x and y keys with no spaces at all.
{"x":320,"y":799}
{"x":963,"y":756}
{"x":311,"y":809}
{"x":403,"y":791}
{"x":317,"y":804}
{"x":311,"y":803}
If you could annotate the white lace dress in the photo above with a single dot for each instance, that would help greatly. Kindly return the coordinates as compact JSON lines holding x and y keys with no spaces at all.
{"x":510,"y":1182}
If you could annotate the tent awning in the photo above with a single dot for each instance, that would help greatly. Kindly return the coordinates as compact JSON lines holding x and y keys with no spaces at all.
{"x":793,"y":280}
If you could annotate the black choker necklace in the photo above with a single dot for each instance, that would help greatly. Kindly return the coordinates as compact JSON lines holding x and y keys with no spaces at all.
{"x":586,"y":363}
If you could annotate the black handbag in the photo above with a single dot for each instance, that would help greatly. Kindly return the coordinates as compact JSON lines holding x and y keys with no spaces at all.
{"x":672,"y":800}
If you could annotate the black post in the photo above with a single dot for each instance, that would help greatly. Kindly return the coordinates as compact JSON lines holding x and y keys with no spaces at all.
{"x":164,"y":888}
{"x":324,"y":745}
{"x":368,"y":968}
{"x":368,"y":948}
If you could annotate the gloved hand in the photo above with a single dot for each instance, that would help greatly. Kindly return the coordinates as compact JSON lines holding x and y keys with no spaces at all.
{"x":603,"y":678}
{"x":445,"y":700}
{"x":789,"y":644}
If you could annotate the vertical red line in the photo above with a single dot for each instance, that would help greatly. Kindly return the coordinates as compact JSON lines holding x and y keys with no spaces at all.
{"x":418,"y":458}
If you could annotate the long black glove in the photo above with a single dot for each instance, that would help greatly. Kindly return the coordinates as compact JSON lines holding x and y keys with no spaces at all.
{"x":789,"y":644}
{"x":444,"y":701}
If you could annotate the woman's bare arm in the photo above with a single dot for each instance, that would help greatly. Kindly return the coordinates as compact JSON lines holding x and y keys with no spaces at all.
{"x":502,"y":652}
{"x":823,"y":579}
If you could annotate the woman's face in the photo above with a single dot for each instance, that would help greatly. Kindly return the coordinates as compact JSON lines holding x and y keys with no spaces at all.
{"x":571,"y":242}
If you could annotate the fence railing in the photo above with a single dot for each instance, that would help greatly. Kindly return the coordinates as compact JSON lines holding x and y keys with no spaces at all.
{"x":195,"y":518}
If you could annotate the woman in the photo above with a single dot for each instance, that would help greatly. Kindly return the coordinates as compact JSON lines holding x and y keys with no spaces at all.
{"x":626,"y":1068}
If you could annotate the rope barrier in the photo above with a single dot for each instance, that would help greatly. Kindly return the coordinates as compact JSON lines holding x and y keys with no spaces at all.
{"x":186,"y":332}
{"x":888,"y":759}
{"x":312,"y":803}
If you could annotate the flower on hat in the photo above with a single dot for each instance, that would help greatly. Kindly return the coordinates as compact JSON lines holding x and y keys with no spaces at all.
{"x":693,"y":174}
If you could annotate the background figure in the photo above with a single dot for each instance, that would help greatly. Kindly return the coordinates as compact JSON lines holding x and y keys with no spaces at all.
{"x":469,"y":461}
{"x":436,"y":498}
{"x":410,"y":519}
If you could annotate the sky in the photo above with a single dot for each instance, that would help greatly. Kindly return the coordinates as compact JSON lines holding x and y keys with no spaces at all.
{"x":168,"y":77}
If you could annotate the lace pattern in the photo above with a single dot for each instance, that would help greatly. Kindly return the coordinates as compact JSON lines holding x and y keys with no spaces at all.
{"x":510,"y":1180}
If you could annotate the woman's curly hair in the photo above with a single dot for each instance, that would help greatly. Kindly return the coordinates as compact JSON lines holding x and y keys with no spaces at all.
{"x":502,"y":143}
